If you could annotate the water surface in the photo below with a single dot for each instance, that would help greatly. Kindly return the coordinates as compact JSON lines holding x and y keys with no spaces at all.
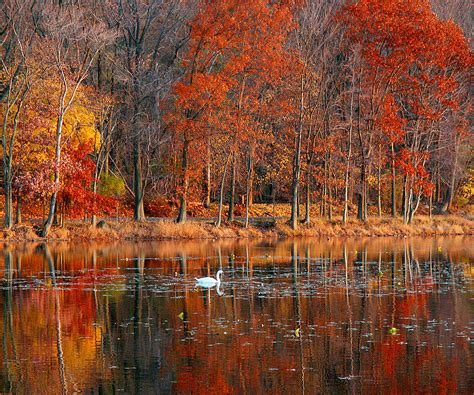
{"x":307,"y":316}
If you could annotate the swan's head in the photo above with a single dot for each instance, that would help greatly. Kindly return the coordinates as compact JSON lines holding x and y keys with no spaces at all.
{"x":219,"y":274}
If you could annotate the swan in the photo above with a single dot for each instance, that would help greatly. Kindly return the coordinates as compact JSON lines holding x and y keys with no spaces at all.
{"x":209,"y":282}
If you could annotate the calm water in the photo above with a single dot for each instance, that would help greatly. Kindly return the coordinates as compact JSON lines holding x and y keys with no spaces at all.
{"x":290,"y":317}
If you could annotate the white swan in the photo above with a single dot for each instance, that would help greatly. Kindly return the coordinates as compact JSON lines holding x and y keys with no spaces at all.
{"x":209,"y":282}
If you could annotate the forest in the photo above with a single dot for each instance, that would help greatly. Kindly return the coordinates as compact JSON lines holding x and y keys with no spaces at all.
{"x":191,"y":108}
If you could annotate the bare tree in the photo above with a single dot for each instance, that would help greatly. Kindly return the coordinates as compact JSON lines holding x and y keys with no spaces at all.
{"x":19,"y":20}
{"x":73,"y":37}
{"x":151,"y":34}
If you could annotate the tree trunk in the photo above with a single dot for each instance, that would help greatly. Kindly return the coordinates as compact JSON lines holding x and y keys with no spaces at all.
{"x":438,"y":187}
{"x":413,"y":207}
{"x":361,"y":205}
{"x":324,"y":198}
{"x":452,"y":184}
{"x":52,"y":204}
{"x":138,"y":210}
{"x":221,"y":195}
{"x":365,"y":196}
{"x":7,"y":224}
{"x":379,"y":191}
{"x":273,"y":197}
{"x":207,"y":201}
{"x":18,"y":209}
{"x":94,"y":193}
{"x":322,"y":207}
{"x":329,"y":189}
{"x":330,"y":204}
{"x":184,"y":184}
{"x":345,"y":212}
{"x":404,"y":199}
{"x":298,"y":206}
{"x":297,"y":162}
{"x":431,"y":205}
{"x":307,"y":219}
{"x":249,"y":187}
{"x":394,"y":200}
{"x":230,"y":214}
{"x":349,"y":153}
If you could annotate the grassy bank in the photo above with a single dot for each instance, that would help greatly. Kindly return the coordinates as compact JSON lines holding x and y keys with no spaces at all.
{"x":166,"y":230}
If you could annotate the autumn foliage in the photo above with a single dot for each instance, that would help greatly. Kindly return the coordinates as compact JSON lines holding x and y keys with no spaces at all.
{"x":355,"y":107}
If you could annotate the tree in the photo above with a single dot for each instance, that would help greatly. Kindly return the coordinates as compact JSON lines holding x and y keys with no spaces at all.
{"x":151,"y":35}
{"x":227,"y":54}
{"x":402,"y":58}
{"x":19,"y":29}
{"x":71,"y":44}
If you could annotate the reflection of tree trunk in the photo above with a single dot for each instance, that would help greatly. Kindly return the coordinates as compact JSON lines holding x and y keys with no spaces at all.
{"x":183,"y":266}
{"x":298,"y":313}
{"x":59,"y":347}
{"x":219,"y":257}
{"x":57,"y":308}
{"x":7,"y":329}
{"x":349,"y":312}
{"x":8,"y":317}
{"x":137,"y":319}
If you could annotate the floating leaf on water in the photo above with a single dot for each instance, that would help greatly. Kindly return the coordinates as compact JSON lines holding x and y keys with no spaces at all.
{"x":393,"y":330}
{"x":181,"y":316}
{"x":439,"y":249}
{"x":297,"y":332}
{"x":380,"y":273}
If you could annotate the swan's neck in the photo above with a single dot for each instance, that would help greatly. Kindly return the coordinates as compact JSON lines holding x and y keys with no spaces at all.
{"x":218,"y":277}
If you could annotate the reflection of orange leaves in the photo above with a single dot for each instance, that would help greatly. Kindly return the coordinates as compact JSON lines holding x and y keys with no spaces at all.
{"x":392,"y":351}
{"x":413,"y":303}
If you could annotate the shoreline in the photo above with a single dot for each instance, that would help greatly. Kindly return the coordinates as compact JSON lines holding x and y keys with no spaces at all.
{"x":193,"y":230}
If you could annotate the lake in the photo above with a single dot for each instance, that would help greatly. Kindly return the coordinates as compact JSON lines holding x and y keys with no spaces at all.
{"x":293,"y":316}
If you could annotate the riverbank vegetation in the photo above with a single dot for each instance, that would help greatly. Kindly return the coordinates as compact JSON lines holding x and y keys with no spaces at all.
{"x":268,"y":228}
{"x":345,"y":111}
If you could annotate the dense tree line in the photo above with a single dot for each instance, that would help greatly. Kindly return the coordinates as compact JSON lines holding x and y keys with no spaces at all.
{"x":347,"y":105}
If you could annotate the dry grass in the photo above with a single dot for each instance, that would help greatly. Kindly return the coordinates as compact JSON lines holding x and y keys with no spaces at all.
{"x":167,"y":230}
{"x":384,"y":226}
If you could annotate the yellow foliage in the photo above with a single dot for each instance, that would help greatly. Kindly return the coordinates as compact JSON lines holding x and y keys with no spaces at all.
{"x":36,"y":133}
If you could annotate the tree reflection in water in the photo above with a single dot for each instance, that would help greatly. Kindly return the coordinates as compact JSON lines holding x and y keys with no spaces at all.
{"x":308,"y":316}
